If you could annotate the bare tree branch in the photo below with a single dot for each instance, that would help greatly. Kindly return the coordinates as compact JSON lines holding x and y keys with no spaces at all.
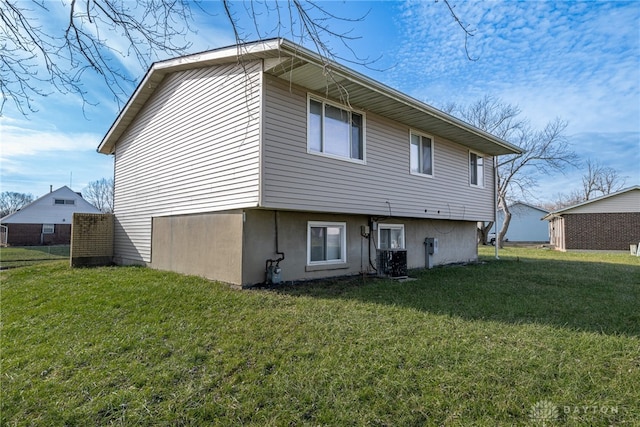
{"x":465,"y":28}
{"x":100,"y":36}
{"x":100,"y":194}
{"x":544,"y":151}
{"x":32,"y":58}
{"x":11,"y":202}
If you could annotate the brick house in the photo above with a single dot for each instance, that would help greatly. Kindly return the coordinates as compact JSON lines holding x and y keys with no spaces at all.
{"x":610,"y":222}
{"x":45,"y":221}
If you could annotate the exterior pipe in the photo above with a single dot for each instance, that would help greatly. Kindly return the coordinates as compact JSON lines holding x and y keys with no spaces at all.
{"x":495,"y":204}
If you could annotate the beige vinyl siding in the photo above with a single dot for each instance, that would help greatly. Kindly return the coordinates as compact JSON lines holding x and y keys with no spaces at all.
{"x":297,"y":180}
{"x":193,"y":148}
{"x":624,"y":202}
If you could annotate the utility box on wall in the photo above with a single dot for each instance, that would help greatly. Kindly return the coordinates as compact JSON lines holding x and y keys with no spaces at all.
{"x":432,"y":245}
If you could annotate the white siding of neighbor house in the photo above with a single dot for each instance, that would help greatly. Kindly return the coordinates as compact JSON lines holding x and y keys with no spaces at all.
{"x":624,"y":202}
{"x":193,"y":148}
{"x":45,"y":211}
{"x":526,"y":224}
{"x":297,"y":180}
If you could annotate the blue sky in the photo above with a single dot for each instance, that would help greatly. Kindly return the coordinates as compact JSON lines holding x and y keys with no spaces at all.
{"x":579,"y":61}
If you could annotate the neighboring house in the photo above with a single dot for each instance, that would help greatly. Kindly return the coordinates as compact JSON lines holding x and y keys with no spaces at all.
{"x":610,"y":222}
{"x":232,"y":162}
{"x":45,"y":221}
{"x":526,"y":223}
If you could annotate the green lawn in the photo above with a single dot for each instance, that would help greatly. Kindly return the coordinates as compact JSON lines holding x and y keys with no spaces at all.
{"x":28,"y":255}
{"x":467,"y":345}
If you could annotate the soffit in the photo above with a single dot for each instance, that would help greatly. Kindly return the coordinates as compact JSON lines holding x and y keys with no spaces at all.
{"x":375,"y":98}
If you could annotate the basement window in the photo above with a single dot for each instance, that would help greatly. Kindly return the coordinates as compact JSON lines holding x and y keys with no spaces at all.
{"x":390,"y":236}
{"x":326,"y":242}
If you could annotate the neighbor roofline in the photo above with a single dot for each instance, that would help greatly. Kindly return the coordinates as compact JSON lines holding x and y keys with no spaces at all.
{"x":586,"y":202}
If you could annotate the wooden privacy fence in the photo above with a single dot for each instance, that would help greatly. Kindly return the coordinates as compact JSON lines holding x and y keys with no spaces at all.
{"x":91,"y":240}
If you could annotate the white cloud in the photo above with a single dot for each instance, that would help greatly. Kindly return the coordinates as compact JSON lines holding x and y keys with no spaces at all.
{"x":34,"y":156}
{"x":20,"y":142}
{"x":551,"y":59}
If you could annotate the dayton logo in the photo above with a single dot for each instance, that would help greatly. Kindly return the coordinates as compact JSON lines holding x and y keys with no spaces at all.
{"x":544,"y":411}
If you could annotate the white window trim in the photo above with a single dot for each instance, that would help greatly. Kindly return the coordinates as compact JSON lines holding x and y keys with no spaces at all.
{"x":343,"y":242}
{"x":396,"y":227}
{"x":342,"y":107}
{"x":433,"y":150}
{"x":52,"y":228}
{"x":483,"y":168}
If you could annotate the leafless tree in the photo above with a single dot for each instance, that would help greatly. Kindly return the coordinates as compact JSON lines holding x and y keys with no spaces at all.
{"x":11,"y":202}
{"x":562,"y":200}
{"x":599,"y":180}
{"x":545,"y":151}
{"x":34,"y":57}
{"x":100,"y":194}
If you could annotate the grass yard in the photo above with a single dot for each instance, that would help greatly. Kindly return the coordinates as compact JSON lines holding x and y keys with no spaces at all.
{"x":20,"y":256}
{"x":537,"y":338}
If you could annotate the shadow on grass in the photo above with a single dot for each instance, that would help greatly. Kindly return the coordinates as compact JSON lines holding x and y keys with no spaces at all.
{"x":588,"y":296}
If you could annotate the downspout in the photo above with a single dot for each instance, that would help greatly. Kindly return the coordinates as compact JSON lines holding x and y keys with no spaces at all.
{"x":495,"y":203}
{"x":261,"y":135}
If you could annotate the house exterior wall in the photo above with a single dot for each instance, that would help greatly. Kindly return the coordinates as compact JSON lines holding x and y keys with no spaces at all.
{"x":193,"y":148}
{"x":556,"y":232}
{"x":44,"y":210}
{"x":624,"y":202}
{"x":297,"y":180}
{"x":207,"y":245}
{"x":216,"y":151}
{"x":526,"y":224}
{"x":601,"y":231}
{"x":31,"y":235}
{"x":457,"y":243}
{"x":25,"y":226}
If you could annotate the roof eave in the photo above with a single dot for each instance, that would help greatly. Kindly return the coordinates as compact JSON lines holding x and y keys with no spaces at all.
{"x":386,"y":91}
{"x":265,"y":49}
{"x":559,"y":212}
{"x":158,"y":70}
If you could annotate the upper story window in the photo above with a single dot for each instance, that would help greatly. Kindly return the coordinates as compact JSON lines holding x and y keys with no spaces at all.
{"x":421,"y":153}
{"x":335,"y":131}
{"x":476,"y":169}
{"x":64,"y":202}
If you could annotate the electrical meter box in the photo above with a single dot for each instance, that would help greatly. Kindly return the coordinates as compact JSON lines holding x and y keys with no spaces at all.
{"x":432,"y":245}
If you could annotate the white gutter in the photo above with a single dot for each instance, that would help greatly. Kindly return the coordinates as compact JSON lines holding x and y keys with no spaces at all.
{"x":375,"y":86}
